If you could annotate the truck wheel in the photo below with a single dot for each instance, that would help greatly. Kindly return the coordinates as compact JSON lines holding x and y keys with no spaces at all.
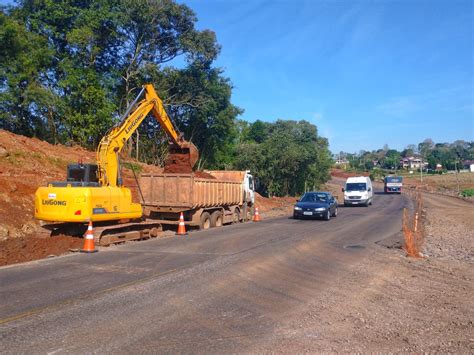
{"x":216,"y":219}
{"x":236,"y":216}
{"x":247,"y":215}
{"x":205,"y":222}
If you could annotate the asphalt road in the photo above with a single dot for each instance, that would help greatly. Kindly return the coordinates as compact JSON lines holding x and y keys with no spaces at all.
{"x":224,"y":289}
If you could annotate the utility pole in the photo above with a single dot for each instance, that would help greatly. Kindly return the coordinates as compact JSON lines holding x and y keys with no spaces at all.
{"x":457,"y":175}
{"x":421,"y":170}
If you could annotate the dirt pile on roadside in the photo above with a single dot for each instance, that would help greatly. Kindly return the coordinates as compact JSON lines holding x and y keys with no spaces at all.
{"x":274,"y":206}
{"x":23,"y":249}
{"x":28,"y":164}
{"x":345,"y":174}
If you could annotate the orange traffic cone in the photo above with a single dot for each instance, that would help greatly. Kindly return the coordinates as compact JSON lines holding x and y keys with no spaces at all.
{"x":181,"y":227}
{"x":256,"y":216}
{"x":89,"y":246}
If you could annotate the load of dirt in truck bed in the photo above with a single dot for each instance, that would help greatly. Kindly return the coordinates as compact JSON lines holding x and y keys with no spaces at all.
{"x":179,"y":163}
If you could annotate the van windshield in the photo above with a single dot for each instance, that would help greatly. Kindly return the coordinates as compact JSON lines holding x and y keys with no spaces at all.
{"x":356,"y":186}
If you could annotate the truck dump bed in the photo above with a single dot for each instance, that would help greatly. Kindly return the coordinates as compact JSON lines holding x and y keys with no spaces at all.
{"x":229,"y":175}
{"x":185,"y":191}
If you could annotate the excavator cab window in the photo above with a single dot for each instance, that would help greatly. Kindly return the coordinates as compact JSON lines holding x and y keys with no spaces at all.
{"x":85,"y":173}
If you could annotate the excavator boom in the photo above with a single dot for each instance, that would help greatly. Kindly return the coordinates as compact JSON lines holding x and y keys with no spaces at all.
{"x":111,"y":145}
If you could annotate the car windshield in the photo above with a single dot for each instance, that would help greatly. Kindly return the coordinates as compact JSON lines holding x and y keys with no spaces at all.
{"x":315,"y":198}
{"x":356,"y":186}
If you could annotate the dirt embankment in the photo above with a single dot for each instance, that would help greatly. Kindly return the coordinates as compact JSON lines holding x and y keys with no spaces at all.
{"x":27,"y":163}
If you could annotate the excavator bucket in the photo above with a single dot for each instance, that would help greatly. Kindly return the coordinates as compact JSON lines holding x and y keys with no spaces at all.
{"x":181,"y":158}
{"x":193,"y":154}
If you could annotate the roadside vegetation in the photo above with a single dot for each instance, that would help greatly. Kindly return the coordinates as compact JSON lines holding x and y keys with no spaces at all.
{"x":437,"y":158}
{"x":68,"y":71}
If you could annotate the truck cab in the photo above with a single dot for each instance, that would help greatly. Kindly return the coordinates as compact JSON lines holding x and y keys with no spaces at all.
{"x":249,"y":188}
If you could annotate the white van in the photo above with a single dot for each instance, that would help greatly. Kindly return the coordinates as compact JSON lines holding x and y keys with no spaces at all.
{"x":358,"y":191}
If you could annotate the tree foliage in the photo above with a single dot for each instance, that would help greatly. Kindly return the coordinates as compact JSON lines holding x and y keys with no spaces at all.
{"x":86,"y":60}
{"x":448,"y":155}
{"x":289,"y":157}
{"x":70,"y":68}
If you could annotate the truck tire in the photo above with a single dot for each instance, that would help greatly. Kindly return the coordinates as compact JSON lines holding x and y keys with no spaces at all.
{"x":217,"y":219}
{"x":246,"y":215}
{"x":205,"y":221}
{"x":236,"y":216}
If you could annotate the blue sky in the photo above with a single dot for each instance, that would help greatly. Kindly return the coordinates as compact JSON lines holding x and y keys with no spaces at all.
{"x":367,"y":73}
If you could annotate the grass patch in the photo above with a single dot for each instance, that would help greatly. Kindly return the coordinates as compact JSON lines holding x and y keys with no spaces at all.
{"x":467,"y":193}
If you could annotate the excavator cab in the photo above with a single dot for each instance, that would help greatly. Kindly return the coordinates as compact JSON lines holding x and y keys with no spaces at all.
{"x":85,"y":173}
{"x":79,"y":175}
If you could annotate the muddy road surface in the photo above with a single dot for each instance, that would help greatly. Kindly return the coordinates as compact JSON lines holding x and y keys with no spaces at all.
{"x":279,"y":285}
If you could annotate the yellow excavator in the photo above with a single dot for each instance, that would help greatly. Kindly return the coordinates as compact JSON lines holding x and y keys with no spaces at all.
{"x":95,"y":192}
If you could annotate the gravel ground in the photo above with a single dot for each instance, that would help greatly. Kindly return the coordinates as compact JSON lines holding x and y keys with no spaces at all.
{"x":391,"y":303}
{"x":449,"y":229}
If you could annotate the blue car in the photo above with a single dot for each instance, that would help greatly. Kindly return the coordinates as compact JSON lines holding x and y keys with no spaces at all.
{"x":316,"y":204}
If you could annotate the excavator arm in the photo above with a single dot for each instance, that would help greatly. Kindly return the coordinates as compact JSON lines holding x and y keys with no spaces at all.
{"x":113,"y":142}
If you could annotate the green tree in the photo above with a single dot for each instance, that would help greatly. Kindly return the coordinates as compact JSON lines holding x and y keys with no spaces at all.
{"x":70,"y":68}
{"x":291,"y":159}
{"x":392,"y":159}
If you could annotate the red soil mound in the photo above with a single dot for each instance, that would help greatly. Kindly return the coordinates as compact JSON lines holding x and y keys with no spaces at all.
{"x":345,"y":174}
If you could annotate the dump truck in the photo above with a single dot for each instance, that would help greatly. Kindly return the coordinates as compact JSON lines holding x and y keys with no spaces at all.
{"x":206,"y":200}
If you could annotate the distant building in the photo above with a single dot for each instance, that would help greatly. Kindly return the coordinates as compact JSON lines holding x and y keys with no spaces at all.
{"x":342,"y":161}
{"x":468,"y":164}
{"x":412,"y":163}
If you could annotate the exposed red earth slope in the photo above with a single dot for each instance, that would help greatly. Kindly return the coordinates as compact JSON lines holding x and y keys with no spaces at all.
{"x":27,"y":163}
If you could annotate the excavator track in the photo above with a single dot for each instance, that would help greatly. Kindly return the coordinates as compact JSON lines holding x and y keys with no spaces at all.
{"x":120,"y":233}
{"x":106,"y":235}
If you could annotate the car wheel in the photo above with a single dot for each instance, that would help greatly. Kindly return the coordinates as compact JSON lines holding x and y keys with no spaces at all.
{"x":335,"y":212}
{"x":327,"y":217}
{"x":295,"y":216}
